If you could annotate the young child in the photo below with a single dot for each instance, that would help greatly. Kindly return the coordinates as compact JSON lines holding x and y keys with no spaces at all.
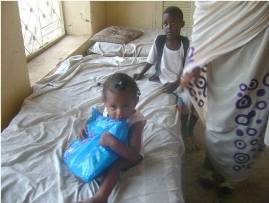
{"x":168,"y":55}
{"x":120,"y":96}
{"x":168,"y":52}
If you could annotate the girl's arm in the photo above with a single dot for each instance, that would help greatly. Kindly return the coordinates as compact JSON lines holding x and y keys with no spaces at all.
{"x":131,"y":152}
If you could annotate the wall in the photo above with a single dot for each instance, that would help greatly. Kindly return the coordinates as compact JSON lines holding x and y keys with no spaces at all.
{"x":98,"y":15}
{"x":134,"y":14}
{"x":88,"y":17}
{"x":146,"y":14}
{"x":15,"y":85}
{"x":83,"y":17}
{"x":77,"y":17}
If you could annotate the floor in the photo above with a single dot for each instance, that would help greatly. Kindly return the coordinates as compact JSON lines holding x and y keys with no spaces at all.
{"x":253,"y":190}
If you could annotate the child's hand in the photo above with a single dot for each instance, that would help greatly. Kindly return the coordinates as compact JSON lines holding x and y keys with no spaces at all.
{"x":188,"y":77}
{"x":82,"y":134}
{"x":154,"y":77}
{"x":169,"y":87}
{"x":106,"y":139}
{"x":138,"y":76}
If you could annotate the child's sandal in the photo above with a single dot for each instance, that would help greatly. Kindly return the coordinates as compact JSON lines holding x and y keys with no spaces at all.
{"x":225,"y":188}
{"x":207,"y":179}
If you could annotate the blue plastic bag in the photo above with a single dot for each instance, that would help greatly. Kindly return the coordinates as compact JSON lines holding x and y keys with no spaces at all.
{"x":86,"y":158}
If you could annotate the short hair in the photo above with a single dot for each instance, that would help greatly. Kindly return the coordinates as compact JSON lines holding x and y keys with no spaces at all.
{"x":120,"y":82}
{"x":174,"y":11}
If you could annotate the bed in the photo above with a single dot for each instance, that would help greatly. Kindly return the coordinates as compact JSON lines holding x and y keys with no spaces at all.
{"x":138,"y":47}
{"x":33,"y":143}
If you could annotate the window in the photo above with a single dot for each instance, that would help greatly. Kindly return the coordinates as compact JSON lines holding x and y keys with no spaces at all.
{"x":41,"y":22}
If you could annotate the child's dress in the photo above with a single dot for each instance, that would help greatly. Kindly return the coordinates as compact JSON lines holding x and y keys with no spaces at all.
{"x":86,"y":158}
{"x":134,"y":118}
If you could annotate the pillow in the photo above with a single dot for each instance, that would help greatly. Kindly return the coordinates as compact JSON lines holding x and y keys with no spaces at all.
{"x":139,"y":47}
{"x":112,"y":49}
{"x":116,"y":34}
{"x":107,"y":49}
{"x":86,"y":158}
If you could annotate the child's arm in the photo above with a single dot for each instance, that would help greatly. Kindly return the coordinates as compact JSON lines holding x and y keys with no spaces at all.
{"x":138,"y":76}
{"x":152,"y":58}
{"x":171,"y":86}
{"x":188,"y":77}
{"x":83,"y":134}
{"x":131,"y":152}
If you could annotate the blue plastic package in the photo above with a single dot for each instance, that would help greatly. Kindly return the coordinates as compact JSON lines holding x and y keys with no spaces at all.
{"x":86,"y":158}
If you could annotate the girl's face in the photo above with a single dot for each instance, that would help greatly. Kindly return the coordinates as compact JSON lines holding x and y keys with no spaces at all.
{"x":119,"y":105}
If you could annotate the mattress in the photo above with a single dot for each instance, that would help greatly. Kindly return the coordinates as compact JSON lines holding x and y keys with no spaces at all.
{"x":33,"y":143}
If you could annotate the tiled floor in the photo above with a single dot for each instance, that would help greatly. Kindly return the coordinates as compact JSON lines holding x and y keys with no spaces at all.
{"x":253,"y":190}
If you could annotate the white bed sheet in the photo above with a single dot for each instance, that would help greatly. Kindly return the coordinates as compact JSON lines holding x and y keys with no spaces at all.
{"x":33,"y":143}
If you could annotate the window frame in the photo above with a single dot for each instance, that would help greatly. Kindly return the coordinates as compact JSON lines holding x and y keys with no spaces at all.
{"x":36,"y":53}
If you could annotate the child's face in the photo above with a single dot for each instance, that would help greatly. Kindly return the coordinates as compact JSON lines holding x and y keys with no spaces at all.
{"x":119,"y":105}
{"x":172,"y":26}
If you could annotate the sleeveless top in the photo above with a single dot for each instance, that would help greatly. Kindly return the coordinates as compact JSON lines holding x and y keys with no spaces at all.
{"x":137,"y":116}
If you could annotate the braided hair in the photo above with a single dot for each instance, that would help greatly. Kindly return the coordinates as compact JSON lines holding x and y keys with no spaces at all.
{"x":119,"y":82}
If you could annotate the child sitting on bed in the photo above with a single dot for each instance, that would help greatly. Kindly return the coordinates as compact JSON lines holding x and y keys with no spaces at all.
{"x":120,"y":96}
{"x":168,"y":55}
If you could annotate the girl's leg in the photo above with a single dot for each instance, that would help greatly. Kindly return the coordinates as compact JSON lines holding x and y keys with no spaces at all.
{"x":109,"y":181}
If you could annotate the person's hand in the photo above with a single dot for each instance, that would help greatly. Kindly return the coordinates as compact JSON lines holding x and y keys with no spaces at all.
{"x":138,"y":76}
{"x":188,"y":77}
{"x":154,"y":77}
{"x":169,"y":87}
{"x":82,"y":134}
{"x":105,"y":139}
